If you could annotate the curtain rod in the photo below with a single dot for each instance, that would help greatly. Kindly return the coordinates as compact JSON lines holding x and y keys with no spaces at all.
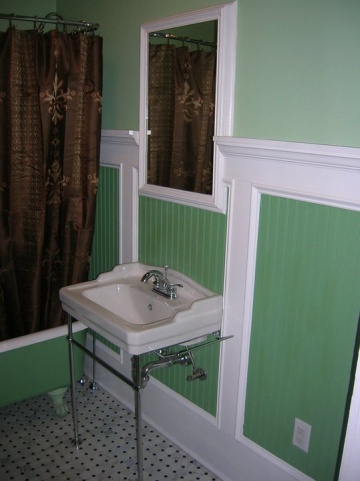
{"x":171,"y":36}
{"x":54,"y":18}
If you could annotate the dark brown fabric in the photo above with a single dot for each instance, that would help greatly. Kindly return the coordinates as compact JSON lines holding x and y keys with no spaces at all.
{"x":50,"y":127}
{"x":181,"y":118}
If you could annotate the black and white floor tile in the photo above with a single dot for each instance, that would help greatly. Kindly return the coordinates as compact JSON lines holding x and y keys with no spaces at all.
{"x":35,"y":444}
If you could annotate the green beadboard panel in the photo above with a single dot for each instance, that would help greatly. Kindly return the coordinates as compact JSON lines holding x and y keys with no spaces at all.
{"x":201,"y":393}
{"x":191,"y":241}
{"x":105,"y":250}
{"x":305,"y":315}
{"x":187,"y":239}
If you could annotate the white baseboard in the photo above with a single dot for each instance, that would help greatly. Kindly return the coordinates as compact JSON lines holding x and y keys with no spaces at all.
{"x":187,"y":426}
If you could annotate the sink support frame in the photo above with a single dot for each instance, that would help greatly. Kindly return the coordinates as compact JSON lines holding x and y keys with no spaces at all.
{"x":135,"y":383}
{"x":140,"y":377}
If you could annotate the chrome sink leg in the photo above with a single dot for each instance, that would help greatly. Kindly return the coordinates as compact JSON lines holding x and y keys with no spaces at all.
{"x":93,"y":386}
{"x":136,"y":372}
{"x":76,"y":441}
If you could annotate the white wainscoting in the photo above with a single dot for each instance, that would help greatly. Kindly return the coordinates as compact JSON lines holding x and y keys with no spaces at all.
{"x":120,"y":149}
{"x":322,"y":174}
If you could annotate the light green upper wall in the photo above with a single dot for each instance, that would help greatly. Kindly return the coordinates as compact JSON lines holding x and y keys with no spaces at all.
{"x":298,"y":71}
{"x":120,"y":23}
{"x":26,"y":7}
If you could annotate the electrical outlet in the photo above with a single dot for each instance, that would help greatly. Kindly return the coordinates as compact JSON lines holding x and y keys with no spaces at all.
{"x":301,"y":436}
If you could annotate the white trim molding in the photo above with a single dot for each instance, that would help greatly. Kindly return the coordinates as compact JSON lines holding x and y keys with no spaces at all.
{"x":120,"y":149}
{"x":320,"y":174}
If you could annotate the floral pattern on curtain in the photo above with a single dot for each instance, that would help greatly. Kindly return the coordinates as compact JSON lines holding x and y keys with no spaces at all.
{"x":50,"y":127}
{"x":181,"y":118}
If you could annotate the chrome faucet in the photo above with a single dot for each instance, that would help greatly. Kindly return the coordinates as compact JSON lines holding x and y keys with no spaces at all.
{"x":161,"y":283}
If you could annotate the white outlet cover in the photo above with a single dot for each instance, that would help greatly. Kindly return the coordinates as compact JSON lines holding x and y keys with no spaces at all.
{"x":301,"y":435}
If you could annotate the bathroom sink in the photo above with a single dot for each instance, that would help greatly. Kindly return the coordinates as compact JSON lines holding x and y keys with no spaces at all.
{"x":127,"y":312}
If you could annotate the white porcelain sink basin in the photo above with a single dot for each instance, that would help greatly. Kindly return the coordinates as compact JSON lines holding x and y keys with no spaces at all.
{"x":127,"y":312}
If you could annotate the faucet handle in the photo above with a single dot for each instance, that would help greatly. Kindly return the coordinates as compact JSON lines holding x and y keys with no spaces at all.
{"x":172,"y":289}
{"x":166,"y":268}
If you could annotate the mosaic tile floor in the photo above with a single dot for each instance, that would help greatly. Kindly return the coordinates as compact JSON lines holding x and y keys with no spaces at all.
{"x":36,"y":445}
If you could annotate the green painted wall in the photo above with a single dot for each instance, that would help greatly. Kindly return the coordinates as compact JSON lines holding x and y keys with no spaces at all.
{"x":193,"y":242}
{"x":105,"y":249}
{"x":298,"y":73}
{"x":306,"y":309}
{"x":297,"y":65}
{"x":26,"y":7}
{"x":32,"y":377}
{"x":120,"y":22}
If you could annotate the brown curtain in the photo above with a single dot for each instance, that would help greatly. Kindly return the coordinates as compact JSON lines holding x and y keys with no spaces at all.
{"x":50,"y":124}
{"x":181,"y":118}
